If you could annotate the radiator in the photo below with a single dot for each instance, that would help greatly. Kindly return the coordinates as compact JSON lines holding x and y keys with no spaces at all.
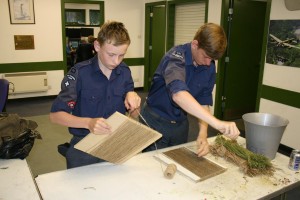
{"x":26,"y":82}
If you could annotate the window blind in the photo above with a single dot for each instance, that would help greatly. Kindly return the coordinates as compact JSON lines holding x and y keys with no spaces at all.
{"x":188,"y":18}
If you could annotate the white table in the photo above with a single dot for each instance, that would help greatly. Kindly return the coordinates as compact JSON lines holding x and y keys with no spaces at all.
{"x":141,"y":177}
{"x":16,"y":181}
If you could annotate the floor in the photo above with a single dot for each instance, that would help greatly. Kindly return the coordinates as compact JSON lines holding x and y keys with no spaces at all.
{"x":44,"y":157}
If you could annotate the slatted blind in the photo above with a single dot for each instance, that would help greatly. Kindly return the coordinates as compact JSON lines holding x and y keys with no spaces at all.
{"x":188,"y":18}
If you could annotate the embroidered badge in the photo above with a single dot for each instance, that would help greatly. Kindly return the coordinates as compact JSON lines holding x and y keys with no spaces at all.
{"x":71,"y":77}
{"x":71,"y":104}
{"x":67,"y":83}
{"x":177,"y":54}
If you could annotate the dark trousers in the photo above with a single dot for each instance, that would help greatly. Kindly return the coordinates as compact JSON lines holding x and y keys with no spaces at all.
{"x":173,"y":133}
{"x":77,"y":158}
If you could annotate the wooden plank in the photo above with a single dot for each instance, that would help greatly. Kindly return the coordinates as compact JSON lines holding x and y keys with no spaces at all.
{"x":128,"y":138}
{"x":190,"y":165}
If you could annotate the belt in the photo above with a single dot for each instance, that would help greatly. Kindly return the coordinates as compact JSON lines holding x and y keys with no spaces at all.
{"x":150,"y":111}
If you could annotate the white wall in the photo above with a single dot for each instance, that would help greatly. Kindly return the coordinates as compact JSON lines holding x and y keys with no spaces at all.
{"x":214,"y":11}
{"x":131,"y":13}
{"x":286,"y":78}
{"x":47,"y":41}
{"x":280,"y":76}
{"x":46,"y":31}
{"x":214,"y":16}
{"x":48,"y":36}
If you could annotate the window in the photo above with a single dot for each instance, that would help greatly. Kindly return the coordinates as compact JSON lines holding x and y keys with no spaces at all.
{"x":94,"y":17}
{"x":75,"y":16}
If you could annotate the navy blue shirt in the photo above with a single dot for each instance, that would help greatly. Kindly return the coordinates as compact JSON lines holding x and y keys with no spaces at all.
{"x":86,"y":92}
{"x":176,"y":72}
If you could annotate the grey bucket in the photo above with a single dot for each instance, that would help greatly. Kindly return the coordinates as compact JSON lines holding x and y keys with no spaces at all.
{"x":264,"y":132}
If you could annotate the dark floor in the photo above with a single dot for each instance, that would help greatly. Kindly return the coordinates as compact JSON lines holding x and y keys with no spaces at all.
{"x":29,"y":107}
{"x":41,"y":106}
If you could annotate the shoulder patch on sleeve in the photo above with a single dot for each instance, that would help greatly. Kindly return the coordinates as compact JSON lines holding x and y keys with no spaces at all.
{"x":73,"y":70}
{"x":177,"y":54}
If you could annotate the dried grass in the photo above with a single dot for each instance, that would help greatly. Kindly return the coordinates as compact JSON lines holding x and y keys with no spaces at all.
{"x":250,"y":163}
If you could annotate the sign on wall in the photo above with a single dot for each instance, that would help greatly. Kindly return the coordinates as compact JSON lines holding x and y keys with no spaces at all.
{"x":284,"y":43}
{"x":23,"y":42}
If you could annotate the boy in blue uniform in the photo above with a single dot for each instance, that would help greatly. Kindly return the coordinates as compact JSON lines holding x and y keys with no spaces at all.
{"x":183,"y":83}
{"x":94,"y":89}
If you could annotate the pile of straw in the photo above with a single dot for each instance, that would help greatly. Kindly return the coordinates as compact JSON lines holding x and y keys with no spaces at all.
{"x":250,"y":163}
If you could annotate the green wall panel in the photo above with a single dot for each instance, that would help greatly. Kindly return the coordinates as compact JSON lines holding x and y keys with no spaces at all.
{"x":48,"y":66}
{"x":134,"y":61}
{"x":282,"y":96}
{"x":34,"y":66}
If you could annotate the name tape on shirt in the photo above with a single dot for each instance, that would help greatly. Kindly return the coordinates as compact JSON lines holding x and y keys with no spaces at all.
{"x":177,"y":54}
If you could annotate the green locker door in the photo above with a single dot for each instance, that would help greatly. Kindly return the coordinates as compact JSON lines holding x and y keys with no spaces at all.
{"x":241,"y":73}
{"x":155,"y":34}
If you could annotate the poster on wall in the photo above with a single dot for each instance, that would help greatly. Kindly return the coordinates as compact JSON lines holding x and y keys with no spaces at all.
{"x":284,"y":43}
{"x":21,"y":11}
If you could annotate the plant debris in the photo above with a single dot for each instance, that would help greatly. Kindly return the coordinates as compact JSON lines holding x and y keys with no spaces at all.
{"x":250,"y":163}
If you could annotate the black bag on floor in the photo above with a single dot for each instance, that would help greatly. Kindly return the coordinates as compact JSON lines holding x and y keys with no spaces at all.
{"x":16,"y":136}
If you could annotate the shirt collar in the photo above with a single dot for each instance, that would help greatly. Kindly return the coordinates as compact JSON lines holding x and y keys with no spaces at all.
{"x":96,"y":62}
{"x":188,"y":56}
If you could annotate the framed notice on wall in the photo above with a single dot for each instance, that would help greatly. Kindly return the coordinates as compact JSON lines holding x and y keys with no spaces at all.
{"x":21,"y":11}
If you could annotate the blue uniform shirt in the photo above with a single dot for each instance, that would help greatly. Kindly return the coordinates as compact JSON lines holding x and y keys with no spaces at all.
{"x":86,"y":92}
{"x":176,"y":72}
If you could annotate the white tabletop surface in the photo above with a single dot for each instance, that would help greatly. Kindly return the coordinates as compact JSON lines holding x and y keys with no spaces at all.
{"x":16,"y":181}
{"x":141,"y":177}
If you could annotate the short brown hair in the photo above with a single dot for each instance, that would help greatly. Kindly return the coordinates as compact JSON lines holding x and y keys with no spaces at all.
{"x":212,"y":39}
{"x":114,"y":33}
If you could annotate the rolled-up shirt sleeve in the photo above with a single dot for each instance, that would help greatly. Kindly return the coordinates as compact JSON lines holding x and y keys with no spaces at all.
{"x":175,"y":74}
